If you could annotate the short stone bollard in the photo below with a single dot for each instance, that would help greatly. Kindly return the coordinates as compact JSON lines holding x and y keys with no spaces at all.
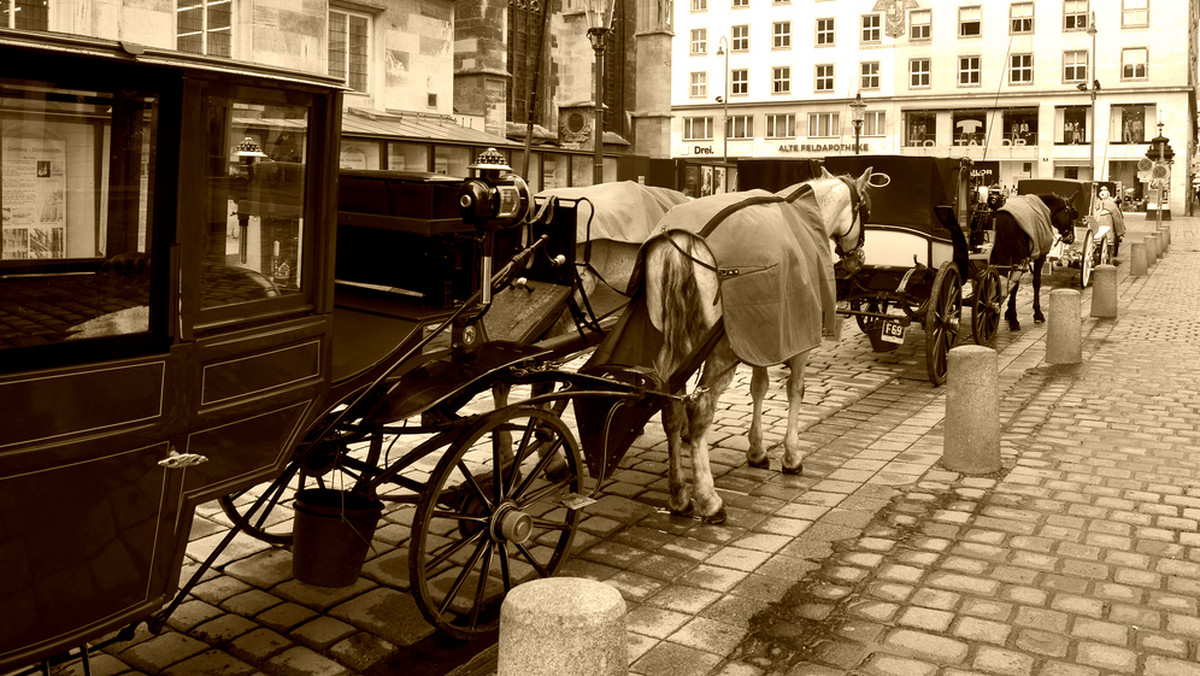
{"x":1104,"y":291}
{"x":1165,"y":233}
{"x":562,"y":626}
{"x":1151,"y":241}
{"x":1137,"y":259}
{"x":1064,"y":336}
{"x":971,"y":443}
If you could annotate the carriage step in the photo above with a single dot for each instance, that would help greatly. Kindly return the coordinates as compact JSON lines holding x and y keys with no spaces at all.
{"x":576,"y":501}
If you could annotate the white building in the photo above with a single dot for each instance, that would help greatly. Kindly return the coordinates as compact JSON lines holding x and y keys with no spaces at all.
{"x":1014,"y":85}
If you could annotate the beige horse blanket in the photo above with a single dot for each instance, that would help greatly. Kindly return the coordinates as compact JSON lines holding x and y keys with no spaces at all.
{"x":777,"y":282}
{"x":1032,"y":214}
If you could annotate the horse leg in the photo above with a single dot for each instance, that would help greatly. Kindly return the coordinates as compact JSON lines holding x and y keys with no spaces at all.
{"x":1011,"y":313}
{"x":1038,"y":317}
{"x":756,"y":455}
{"x":673,"y":419}
{"x":795,"y":391}
{"x":718,"y":373}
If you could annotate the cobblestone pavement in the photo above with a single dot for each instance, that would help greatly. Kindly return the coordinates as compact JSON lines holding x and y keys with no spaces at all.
{"x":1080,"y":557}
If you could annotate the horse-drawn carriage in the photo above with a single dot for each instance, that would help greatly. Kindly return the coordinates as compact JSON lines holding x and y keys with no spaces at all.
{"x":1085,"y":252}
{"x":172,"y":333}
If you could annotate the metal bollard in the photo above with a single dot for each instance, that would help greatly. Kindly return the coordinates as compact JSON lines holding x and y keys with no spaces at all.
{"x":1137,"y":259}
{"x":1104,"y":291}
{"x":562,"y":626}
{"x":1064,"y":336}
{"x":971,"y":444}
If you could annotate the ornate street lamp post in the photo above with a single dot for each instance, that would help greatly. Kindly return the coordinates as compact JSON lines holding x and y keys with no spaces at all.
{"x":857,"y":112}
{"x":723,"y":99}
{"x":1091,"y":30}
{"x":599,"y":28}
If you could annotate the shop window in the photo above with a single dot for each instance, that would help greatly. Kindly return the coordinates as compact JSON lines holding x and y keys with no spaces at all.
{"x":824,"y":78}
{"x":360,"y":154}
{"x":969,"y":127}
{"x":583,"y":170}
{"x":920,"y":23}
{"x":1020,"y":127}
{"x":920,"y":129}
{"x":78,"y":186}
{"x":349,"y":48}
{"x":556,"y":170}
{"x":1129,"y":123}
{"x":204,"y":27}
{"x":31,"y":15}
{"x":1075,"y":15}
{"x":1073,"y":130}
{"x":408,"y":156}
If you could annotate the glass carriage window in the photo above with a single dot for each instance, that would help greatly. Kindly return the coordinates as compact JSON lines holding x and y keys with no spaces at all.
{"x":254,"y":244}
{"x":919,"y":23}
{"x":76,"y":189}
{"x":31,"y":15}
{"x":204,"y":27}
{"x":348,"y":48}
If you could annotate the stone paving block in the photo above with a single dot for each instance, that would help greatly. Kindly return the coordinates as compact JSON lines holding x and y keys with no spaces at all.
{"x":223,"y":629}
{"x":735,"y":610}
{"x":673,"y":658}
{"x":160,"y":652}
{"x":285,"y":616}
{"x":683,"y":599}
{"x":301,"y":661}
{"x":320,"y":598}
{"x":219,"y":589}
{"x":250,"y":602}
{"x":713,"y":578}
{"x":211,"y":663}
{"x":891,"y":665}
{"x":264,"y":569}
{"x":1106,"y":657}
{"x":322,"y":632}
{"x":257,"y":646}
{"x":928,"y":646}
{"x":926,"y":619}
{"x":635,"y":587}
{"x":387,"y":613}
{"x":361,"y":651}
{"x":1157,"y":665}
{"x":191,"y":613}
{"x":1042,"y":643}
{"x":708,"y":635}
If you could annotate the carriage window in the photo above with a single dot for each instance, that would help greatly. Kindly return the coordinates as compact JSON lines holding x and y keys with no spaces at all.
{"x":254,"y":243}
{"x":76,"y":180}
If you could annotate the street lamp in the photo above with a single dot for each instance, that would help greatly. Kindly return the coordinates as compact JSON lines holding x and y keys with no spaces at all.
{"x":1091,"y":30}
{"x":857,"y":113}
{"x":599,"y":28}
{"x":723,"y":99}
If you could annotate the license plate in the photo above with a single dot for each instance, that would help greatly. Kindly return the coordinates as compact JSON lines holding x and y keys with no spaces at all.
{"x":892,"y":332}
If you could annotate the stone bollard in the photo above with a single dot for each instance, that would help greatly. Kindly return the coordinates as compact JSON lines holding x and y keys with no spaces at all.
{"x":1151,"y":241}
{"x":1104,"y":291}
{"x":1165,"y":233}
{"x":562,"y":626}
{"x":1064,"y":336}
{"x":971,"y":443}
{"x":1137,"y":259}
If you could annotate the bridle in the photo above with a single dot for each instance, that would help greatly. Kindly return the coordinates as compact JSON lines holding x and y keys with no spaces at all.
{"x":862,"y":211}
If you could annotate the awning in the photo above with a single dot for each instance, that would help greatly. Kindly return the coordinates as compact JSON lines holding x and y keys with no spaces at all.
{"x":415,"y":126}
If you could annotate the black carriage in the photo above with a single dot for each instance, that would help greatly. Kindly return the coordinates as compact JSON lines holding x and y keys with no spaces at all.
{"x":1085,"y":253}
{"x":172,"y":332}
{"x":919,"y":252}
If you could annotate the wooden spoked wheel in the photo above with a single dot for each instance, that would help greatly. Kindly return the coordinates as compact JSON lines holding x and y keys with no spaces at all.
{"x":1087,"y":260}
{"x":490,"y":519}
{"x":943,"y":315}
{"x":985,"y":311}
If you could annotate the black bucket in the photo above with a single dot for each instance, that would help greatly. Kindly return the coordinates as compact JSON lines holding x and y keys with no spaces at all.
{"x":333,"y":532}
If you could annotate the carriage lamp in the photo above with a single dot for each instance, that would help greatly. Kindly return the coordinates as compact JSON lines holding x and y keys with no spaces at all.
{"x":494,"y":197}
{"x":857,"y":113}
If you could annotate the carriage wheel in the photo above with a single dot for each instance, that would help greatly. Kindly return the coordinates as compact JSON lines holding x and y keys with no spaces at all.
{"x":985,"y":312}
{"x":477,"y":533}
{"x":942,"y":316}
{"x":325,"y":466}
{"x":1087,"y":260}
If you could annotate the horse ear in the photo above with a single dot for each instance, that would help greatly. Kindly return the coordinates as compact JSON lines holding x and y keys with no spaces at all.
{"x":863,"y":181}
{"x":825,"y":172}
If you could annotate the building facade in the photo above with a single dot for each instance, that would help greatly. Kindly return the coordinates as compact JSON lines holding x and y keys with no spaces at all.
{"x":1025,"y":88}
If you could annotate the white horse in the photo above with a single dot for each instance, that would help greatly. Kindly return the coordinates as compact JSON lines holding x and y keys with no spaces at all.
{"x":687,"y":290}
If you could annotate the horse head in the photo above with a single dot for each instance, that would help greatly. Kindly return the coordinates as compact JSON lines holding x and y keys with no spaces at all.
{"x":849,"y":243}
{"x":1063,"y":216}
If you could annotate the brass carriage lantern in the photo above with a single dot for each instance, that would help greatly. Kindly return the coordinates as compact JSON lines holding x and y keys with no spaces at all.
{"x":857,"y":114}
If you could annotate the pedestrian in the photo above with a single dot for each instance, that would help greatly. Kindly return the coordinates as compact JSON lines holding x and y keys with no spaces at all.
{"x":1109,"y":219}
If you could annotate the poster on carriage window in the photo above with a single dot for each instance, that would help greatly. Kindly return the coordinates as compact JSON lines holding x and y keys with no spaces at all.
{"x":33,"y":199}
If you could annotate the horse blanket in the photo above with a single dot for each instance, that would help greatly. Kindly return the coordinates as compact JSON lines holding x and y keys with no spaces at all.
{"x":1032,"y":214}
{"x":778,"y":292}
{"x":1108,"y":213}
{"x":625,"y":211}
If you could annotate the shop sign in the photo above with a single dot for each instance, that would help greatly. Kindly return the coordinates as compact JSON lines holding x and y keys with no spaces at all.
{"x":820,"y":147}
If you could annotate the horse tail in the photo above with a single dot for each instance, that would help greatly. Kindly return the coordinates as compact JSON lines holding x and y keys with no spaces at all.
{"x":683,"y":312}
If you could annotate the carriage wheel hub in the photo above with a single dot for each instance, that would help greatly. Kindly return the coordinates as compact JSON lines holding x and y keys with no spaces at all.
{"x":512,"y":524}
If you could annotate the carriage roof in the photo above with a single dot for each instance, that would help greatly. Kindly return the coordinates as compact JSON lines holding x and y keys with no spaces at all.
{"x":1080,"y":191}
{"x":917,"y":186}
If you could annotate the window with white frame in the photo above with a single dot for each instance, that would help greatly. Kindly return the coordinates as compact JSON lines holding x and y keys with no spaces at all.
{"x":1075,"y":66}
{"x":739,"y":82}
{"x":1135,"y":13}
{"x":918,"y":73}
{"x":740,"y":4}
{"x":872,"y":32}
{"x":31,"y":15}
{"x":741,"y":126}
{"x":699,"y":5}
{"x":1075,"y":15}
{"x":781,"y":125}
{"x":968,"y":71}
{"x":349,"y":47}
{"x":1127,"y":123}
{"x":781,"y":35}
{"x":739,"y":38}
{"x":781,"y":80}
{"x":697,"y":129}
{"x":204,"y":27}
{"x":873,"y":123}
{"x":1020,"y":16}
{"x":825,"y":32}
{"x":970,"y":21}
{"x":869,"y":78}
{"x":823,"y":82}
{"x":699,"y":85}
{"x":699,"y":43}
{"x":920,"y":24}
{"x":823,"y":125}
{"x":1021,"y":70}
{"x":1134,"y":62}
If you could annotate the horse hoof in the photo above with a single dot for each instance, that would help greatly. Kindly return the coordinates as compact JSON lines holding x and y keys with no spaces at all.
{"x":1039,"y":318}
{"x":1014,"y":325}
{"x":717,"y":517}
{"x":797,"y":470}
{"x":765,"y":463}
{"x":686,"y":512}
